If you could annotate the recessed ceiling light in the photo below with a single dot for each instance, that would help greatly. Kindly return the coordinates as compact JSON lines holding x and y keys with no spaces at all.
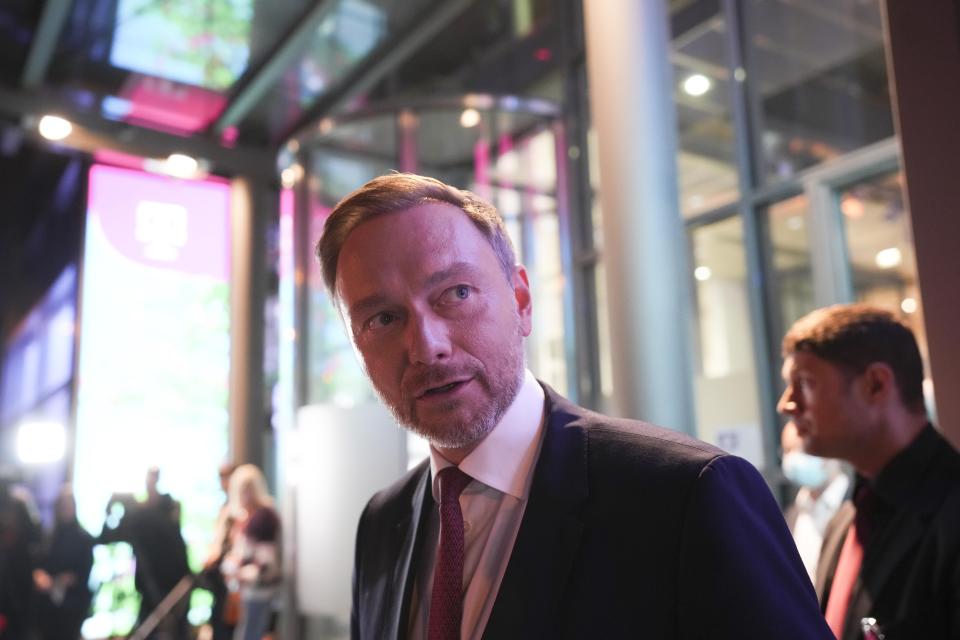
{"x":469,"y":118}
{"x":702,"y":273}
{"x":54,"y":127}
{"x":181,"y":165}
{"x":697,"y":85}
{"x":888,"y":258}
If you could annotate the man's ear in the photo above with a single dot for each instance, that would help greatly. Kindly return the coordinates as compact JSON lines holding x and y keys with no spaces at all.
{"x":521,"y":293}
{"x":879,"y":381}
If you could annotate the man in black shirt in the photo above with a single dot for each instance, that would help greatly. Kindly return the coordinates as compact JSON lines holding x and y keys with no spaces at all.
{"x":153,"y":530}
{"x":890,"y":563}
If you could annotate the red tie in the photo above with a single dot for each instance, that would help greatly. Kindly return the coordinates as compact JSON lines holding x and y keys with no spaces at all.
{"x":848,"y":565}
{"x":446,"y":600}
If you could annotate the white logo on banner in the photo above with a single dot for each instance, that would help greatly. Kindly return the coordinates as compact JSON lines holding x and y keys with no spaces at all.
{"x":162,"y":229}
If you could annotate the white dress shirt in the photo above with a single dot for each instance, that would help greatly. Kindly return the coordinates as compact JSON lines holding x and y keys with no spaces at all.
{"x":493,"y":503}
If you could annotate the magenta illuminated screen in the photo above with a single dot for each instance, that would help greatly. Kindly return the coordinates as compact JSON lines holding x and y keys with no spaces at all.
{"x":153,"y":360}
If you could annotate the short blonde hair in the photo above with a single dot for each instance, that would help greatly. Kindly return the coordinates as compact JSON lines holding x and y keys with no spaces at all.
{"x":398,"y":192}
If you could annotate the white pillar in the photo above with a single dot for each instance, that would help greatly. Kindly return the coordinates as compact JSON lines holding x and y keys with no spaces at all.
{"x":643,"y":248}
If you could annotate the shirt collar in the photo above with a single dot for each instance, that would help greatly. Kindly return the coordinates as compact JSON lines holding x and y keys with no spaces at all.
{"x":503,"y":459}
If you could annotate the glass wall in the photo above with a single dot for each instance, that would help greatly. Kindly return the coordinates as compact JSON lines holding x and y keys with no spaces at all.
{"x":817,"y":79}
{"x":774,"y":100}
{"x":706,"y":159}
{"x":725,"y":366}
{"x":788,"y":263}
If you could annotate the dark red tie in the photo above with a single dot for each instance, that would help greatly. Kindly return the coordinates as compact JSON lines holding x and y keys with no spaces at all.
{"x":848,"y":565}
{"x":446,"y":600}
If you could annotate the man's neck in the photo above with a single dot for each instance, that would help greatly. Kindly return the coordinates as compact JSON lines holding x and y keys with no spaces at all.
{"x":897,"y":436}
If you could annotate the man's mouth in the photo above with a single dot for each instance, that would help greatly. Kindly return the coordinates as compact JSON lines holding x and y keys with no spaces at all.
{"x":442,"y":389}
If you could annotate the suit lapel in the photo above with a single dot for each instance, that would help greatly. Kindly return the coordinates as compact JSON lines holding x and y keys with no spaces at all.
{"x":896,"y":541}
{"x":830,"y":551}
{"x":410,"y":535}
{"x":549,"y":534}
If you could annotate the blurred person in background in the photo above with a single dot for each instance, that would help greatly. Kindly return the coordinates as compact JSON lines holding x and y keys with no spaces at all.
{"x":20,"y":535}
{"x":222,"y":618}
{"x":252,"y":565}
{"x":62,"y":574}
{"x":822,"y":487}
{"x":890,"y":565}
{"x":152,"y":528}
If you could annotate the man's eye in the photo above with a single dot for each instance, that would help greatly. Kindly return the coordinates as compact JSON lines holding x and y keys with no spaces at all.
{"x":456,"y":294}
{"x":382,"y":319}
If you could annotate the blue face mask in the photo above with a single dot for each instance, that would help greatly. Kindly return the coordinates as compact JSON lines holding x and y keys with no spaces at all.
{"x":805,"y":470}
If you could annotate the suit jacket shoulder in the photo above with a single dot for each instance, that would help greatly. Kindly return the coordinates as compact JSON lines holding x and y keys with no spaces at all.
{"x":631,"y":526}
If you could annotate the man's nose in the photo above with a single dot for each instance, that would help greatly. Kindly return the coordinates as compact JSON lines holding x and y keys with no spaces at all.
{"x":787,"y":405}
{"x":428,"y":339}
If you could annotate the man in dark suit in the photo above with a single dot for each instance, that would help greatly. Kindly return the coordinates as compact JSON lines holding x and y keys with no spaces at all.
{"x":532,"y":517}
{"x":890,"y":563}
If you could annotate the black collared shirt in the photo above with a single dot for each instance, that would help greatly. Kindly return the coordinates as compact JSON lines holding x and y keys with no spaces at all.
{"x":916,"y":479}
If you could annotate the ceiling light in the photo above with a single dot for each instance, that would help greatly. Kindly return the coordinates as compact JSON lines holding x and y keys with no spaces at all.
{"x":888,"y":258}
{"x":290,"y":175}
{"x":702,"y":273}
{"x":852,"y":207}
{"x":54,"y":127}
{"x":41,"y":441}
{"x":181,"y":166}
{"x":909,"y":305}
{"x":469,"y":118}
{"x":697,"y":85}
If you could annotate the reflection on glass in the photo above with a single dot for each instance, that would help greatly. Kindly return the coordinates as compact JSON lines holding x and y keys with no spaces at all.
{"x":819,"y":80}
{"x":347,"y":33}
{"x":789,"y":262}
{"x":204,"y":43}
{"x":705,"y":163}
{"x":727,"y":405}
{"x":880,"y":249}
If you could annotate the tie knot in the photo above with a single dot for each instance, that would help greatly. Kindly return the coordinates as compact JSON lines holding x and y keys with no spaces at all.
{"x":452,"y":483}
{"x":864,"y":499}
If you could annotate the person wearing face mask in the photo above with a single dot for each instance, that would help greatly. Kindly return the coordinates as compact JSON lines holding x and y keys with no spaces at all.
{"x":822,"y":488}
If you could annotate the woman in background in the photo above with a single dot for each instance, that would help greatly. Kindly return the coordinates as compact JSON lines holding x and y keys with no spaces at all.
{"x":252,"y":565}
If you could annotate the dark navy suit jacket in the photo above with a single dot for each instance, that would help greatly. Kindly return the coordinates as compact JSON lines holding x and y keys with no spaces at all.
{"x":630,"y":531}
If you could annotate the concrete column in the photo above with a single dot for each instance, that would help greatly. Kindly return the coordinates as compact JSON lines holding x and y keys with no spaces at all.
{"x":249,"y":209}
{"x":924,"y":61}
{"x":643,"y":247}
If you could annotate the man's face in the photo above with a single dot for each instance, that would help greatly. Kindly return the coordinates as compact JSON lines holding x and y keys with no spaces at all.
{"x":825,"y":405}
{"x":437,"y":323}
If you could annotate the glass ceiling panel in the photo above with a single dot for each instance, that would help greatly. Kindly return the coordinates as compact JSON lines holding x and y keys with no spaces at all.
{"x":204,"y":43}
{"x":348,"y":32}
{"x":166,"y":64}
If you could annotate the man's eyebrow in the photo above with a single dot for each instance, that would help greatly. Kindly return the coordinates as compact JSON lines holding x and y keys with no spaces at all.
{"x":366,"y":304}
{"x":456,"y":268}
